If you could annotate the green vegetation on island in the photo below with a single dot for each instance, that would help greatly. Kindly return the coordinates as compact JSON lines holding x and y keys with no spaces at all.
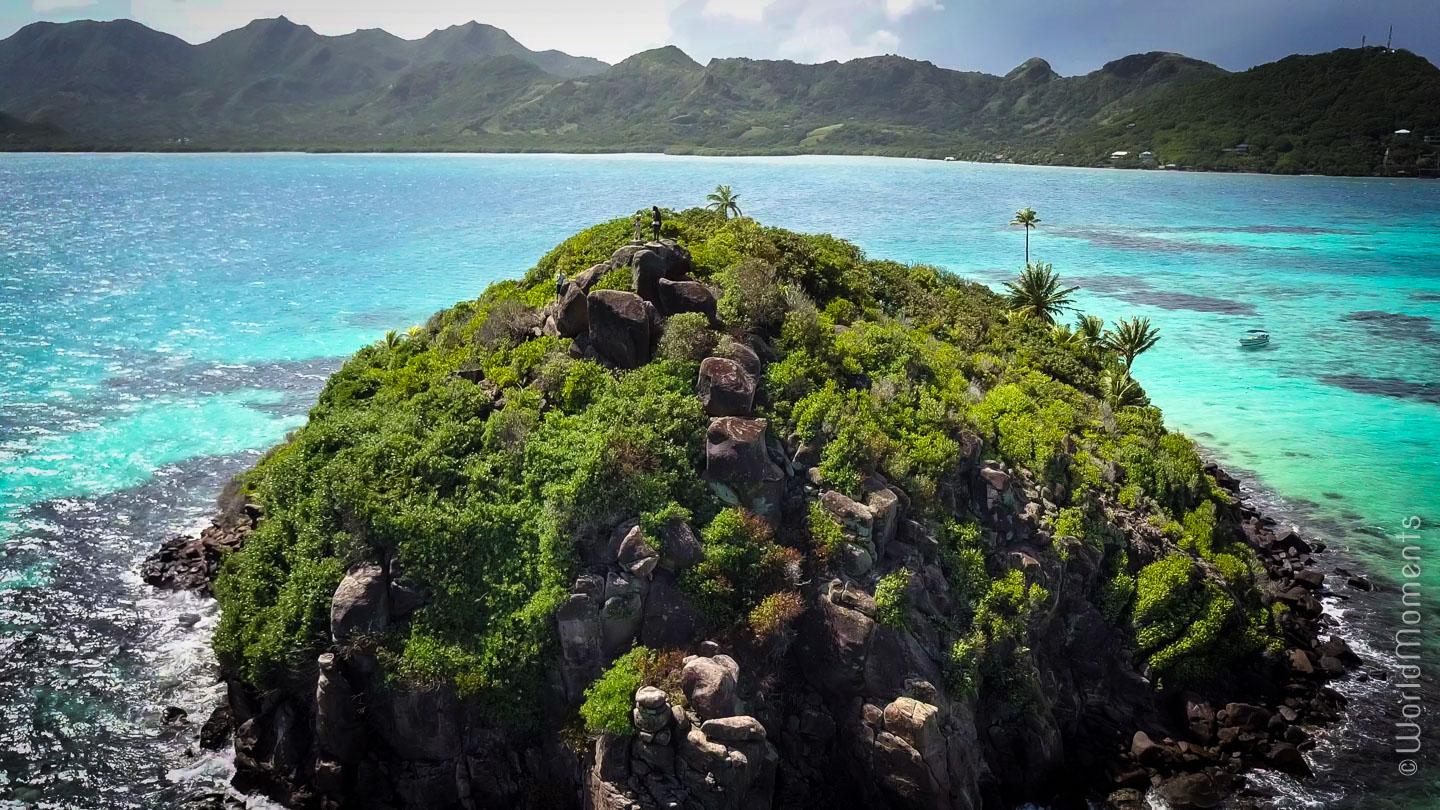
{"x":276,"y":85}
{"x":1350,"y":111}
{"x":480,"y":456}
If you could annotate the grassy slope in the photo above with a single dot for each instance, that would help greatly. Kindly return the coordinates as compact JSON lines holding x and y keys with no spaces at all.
{"x":479,"y":490}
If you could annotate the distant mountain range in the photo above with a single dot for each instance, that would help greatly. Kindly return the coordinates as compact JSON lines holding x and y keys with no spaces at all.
{"x":277,"y":85}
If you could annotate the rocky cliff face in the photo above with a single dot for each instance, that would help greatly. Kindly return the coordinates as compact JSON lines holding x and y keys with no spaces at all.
{"x":854,"y":705}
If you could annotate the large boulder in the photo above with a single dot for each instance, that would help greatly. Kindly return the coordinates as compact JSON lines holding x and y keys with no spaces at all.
{"x":885,"y":508}
{"x":619,"y":327}
{"x":578,"y":620}
{"x":856,"y":519}
{"x":745,"y":356}
{"x":622,"y":613}
{"x":571,"y":312}
{"x":727,"y":776}
{"x":636,"y":555}
{"x":735,"y":450}
{"x":337,"y":724}
{"x":837,"y":638}
{"x":918,"y":724}
{"x":709,"y":685}
{"x":687,"y":296}
{"x":1199,"y":791}
{"x":646,"y":270}
{"x":586,"y":279}
{"x":904,"y":772}
{"x":670,"y":618}
{"x":361,"y":605}
{"x":680,"y":548}
{"x":678,"y":264}
{"x":725,"y":388}
{"x":742,"y":728}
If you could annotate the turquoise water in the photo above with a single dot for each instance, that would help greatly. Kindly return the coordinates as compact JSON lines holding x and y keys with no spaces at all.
{"x":164,"y":317}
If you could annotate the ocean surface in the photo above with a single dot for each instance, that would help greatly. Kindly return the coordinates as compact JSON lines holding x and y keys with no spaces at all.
{"x":163,"y":319}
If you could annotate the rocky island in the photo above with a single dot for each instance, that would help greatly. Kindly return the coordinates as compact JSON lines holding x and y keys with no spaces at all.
{"x":742,"y":518}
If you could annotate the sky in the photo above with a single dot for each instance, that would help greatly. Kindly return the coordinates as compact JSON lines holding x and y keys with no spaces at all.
{"x":1075,"y":36}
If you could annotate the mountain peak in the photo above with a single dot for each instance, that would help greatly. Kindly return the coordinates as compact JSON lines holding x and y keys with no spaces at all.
{"x":1129,"y":67}
{"x":1032,"y":71}
{"x":667,"y":56}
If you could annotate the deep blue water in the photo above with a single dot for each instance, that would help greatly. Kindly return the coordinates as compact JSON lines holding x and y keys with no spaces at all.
{"x":164,"y":318}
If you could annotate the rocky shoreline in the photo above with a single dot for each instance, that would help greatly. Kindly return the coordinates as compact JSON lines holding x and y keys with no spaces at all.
{"x":853,"y":707}
{"x":1195,"y":757}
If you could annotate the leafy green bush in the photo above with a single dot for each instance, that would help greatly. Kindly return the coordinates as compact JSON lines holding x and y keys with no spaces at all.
{"x":776,"y":614}
{"x":826,"y":533}
{"x":688,"y":338}
{"x":751,"y":294}
{"x":618,"y":279}
{"x":609,"y":699}
{"x":1071,"y":522}
{"x":963,"y":556}
{"x":962,"y":665}
{"x":1005,"y":611}
{"x":892,"y":598}
{"x":742,"y":566}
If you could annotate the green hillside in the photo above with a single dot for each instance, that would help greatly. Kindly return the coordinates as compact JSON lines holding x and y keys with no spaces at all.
{"x":277,"y":85}
{"x":1331,"y":113}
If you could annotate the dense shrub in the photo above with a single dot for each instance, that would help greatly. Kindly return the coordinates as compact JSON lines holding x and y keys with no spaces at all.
{"x":892,"y":598}
{"x":776,"y":614}
{"x":688,"y":338}
{"x":751,"y":293}
{"x":742,"y":566}
{"x":609,"y":699}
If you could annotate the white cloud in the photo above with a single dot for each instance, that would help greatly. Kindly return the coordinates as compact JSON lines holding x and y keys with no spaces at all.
{"x":44,"y":6}
{"x":748,"y":10}
{"x":827,"y":42}
{"x":882,"y":41}
{"x":895,"y":9}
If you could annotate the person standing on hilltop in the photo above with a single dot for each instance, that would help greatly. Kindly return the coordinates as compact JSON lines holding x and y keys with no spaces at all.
{"x":560,"y":283}
{"x":639,"y":225}
{"x":655,"y":221}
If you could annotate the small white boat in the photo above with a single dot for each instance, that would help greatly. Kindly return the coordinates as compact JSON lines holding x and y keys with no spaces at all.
{"x":1253,"y":338}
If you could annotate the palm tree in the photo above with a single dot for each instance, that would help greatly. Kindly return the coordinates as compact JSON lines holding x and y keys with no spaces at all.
{"x":415,"y":332}
{"x":724,"y":202}
{"x":1067,"y":338}
{"x":1091,"y":331}
{"x":1120,"y":390}
{"x":392,"y":339}
{"x":1132,"y":337}
{"x":1037,"y":293}
{"x":1027,"y":217}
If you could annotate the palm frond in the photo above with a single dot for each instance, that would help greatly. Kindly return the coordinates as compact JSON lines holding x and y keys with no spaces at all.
{"x":1037,"y":293}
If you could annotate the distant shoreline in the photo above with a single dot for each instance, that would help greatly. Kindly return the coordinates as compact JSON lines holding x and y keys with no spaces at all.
{"x":700,"y":153}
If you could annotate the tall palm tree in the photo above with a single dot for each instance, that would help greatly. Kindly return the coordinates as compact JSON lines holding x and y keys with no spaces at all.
{"x":1133,"y":337}
{"x":1037,"y":293}
{"x":1091,"y":331}
{"x":1028,"y":218}
{"x":724,"y":202}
